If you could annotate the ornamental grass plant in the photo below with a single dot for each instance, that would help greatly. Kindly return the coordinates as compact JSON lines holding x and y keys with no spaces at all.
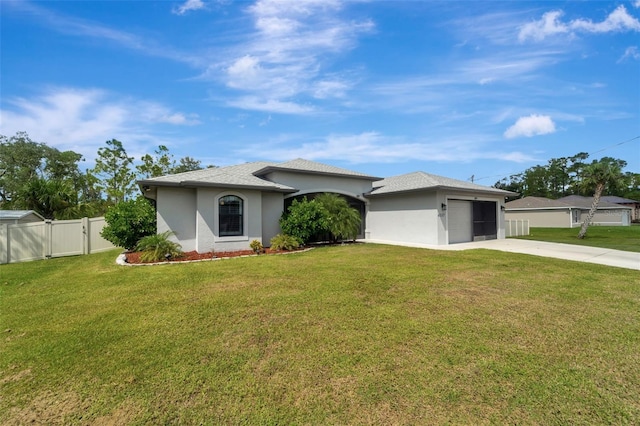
{"x":158,"y":247}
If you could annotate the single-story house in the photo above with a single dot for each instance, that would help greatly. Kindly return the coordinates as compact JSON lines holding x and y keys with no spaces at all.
{"x":224,"y":209}
{"x":567,"y":212}
{"x":634,"y":204}
{"x":13,"y":217}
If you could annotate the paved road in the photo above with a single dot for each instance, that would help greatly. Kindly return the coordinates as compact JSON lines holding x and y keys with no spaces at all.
{"x":602,"y":256}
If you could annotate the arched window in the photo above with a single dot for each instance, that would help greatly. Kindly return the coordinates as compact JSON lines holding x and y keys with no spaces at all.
{"x":230,"y":219}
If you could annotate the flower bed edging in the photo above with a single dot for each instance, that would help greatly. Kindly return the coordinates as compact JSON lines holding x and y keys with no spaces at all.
{"x":121,"y":259}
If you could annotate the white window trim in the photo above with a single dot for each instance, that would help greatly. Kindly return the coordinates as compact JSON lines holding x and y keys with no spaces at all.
{"x":245,"y":218}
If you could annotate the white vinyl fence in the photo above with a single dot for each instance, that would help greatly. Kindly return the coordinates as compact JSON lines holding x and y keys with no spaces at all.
{"x":516,"y":228}
{"x":51,"y":238}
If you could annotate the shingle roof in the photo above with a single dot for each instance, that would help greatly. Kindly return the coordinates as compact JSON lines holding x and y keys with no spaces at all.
{"x":242,"y":175}
{"x":17,"y":214}
{"x":585,"y":202}
{"x":417,"y":181}
{"x":536,"y":203}
{"x":251,"y":175}
{"x":300,"y":164}
{"x":571,"y":201}
{"x":618,"y":200}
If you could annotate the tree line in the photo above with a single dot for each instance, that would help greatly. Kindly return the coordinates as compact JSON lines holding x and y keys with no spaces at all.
{"x":35,"y":176}
{"x":573,"y":176}
{"x":565,"y":176}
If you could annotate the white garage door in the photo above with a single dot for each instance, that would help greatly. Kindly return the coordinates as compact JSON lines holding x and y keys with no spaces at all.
{"x":460,"y":221}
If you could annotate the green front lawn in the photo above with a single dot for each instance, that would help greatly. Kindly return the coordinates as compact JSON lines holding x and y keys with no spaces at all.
{"x":357,"y":334}
{"x":625,"y":238}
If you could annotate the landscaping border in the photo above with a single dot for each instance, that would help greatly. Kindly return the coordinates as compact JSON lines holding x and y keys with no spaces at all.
{"x":121,"y":259}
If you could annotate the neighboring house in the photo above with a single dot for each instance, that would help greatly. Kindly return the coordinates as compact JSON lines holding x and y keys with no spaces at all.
{"x":224,"y":209}
{"x":634,"y":204}
{"x":12,"y":217}
{"x":567,"y":212}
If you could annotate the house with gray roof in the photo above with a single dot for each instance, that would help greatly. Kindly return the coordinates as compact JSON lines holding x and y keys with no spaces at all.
{"x":566,"y":212}
{"x":224,"y":209}
{"x":634,"y":204}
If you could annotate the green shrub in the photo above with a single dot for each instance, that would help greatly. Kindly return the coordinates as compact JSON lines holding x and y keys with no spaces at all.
{"x":284,"y":242}
{"x":128,"y":222}
{"x":256,"y":246}
{"x":326,"y":214}
{"x":303,"y":220}
{"x":158,"y":247}
{"x":341,"y":220}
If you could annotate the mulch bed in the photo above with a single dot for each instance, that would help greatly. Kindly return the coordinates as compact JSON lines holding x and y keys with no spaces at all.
{"x":134,"y":257}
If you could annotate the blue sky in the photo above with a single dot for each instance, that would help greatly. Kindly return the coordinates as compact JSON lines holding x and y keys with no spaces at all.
{"x":455,"y":88}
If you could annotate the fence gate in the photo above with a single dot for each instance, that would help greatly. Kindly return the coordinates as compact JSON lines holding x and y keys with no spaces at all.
{"x":51,"y":238}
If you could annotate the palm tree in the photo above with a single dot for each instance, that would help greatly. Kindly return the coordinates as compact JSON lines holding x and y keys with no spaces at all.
{"x":598,"y":175}
{"x":47,"y":197}
{"x":343,"y":221}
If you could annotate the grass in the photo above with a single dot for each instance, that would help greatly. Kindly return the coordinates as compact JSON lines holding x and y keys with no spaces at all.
{"x":358,"y":334}
{"x":625,"y":238}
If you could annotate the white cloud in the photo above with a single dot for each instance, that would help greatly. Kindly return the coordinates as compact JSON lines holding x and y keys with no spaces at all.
{"x":287,"y":54}
{"x":275,"y":25}
{"x":188,"y":6}
{"x":82,"y":119}
{"x":636,"y":3}
{"x":155,"y":113}
{"x":85,"y":28}
{"x":244,"y":72}
{"x":618,"y":20}
{"x":630,"y":52}
{"x":373,"y":147}
{"x":503,"y":66}
{"x":532,"y":125}
{"x":550,"y":24}
{"x":270,"y":8}
{"x":324,"y":89}
{"x":270,"y":105}
{"x":464,"y":84}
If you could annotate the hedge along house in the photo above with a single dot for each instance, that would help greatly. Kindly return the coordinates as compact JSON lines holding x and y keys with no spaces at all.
{"x":224,"y":209}
{"x":567,"y":212}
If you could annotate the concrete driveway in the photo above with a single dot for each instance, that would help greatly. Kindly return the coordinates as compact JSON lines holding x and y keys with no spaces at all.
{"x":602,"y":256}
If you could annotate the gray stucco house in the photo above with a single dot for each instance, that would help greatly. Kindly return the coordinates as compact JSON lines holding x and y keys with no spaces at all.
{"x":224,"y":209}
{"x":566,"y":212}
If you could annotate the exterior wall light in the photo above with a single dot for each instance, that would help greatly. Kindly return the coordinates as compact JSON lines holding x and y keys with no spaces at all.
{"x":444,"y":207}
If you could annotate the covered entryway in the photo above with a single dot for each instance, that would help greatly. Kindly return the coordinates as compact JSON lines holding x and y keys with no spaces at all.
{"x":472,"y":221}
{"x":359,"y":205}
